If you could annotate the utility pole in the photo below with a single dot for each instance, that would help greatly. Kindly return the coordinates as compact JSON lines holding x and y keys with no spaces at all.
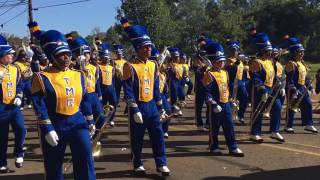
{"x":30,"y":19}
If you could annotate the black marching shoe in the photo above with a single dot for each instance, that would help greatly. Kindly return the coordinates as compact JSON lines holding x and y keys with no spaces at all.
{"x":19,"y":162}
{"x":164,"y":170}
{"x":4,"y":169}
{"x":236,"y":153}
{"x":140,"y":171}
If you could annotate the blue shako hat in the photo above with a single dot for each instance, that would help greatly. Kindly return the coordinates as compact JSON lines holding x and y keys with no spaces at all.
{"x":138,"y":34}
{"x":294,"y":45}
{"x":262,"y":42}
{"x":174,"y":52}
{"x":53,"y":42}
{"x":215,"y":52}
{"x":79,"y":46}
{"x":5,"y":48}
{"x":154,"y":53}
{"x":233,"y":45}
{"x":183,"y":55}
{"x":104,"y":50}
{"x":118,"y":48}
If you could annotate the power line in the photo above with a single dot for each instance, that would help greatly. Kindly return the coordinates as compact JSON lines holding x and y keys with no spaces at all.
{"x":10,"y":8}
{"x":16,"y":16}
{"x":62,"y":4}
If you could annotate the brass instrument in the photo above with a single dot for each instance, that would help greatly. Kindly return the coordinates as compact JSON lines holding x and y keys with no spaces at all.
{"x":164,"y":54}
{"x":294,"y":104}
{"x":235,"y":101}
{"x":205,"y":60}
{"x":277,"y":88}
{"x":259,"y":109}
{"x":96,"y":144}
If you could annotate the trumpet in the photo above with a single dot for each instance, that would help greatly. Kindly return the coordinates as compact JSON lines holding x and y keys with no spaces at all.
{"x":277,"y":88}
{"x":234,"y":101}
{"x":96,"y":144}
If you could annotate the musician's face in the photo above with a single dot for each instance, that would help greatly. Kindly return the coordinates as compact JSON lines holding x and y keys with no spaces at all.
{"x":87,"y":57}
{"x":219,"y":64}
{"x":6,"y":59}
{"x":299,"y":55}
{"x":234,"y":52}
{"x":176,"y":59}
{"x":63,"y":60}
{"x":144,"y":52}
{"x":267,"y":54}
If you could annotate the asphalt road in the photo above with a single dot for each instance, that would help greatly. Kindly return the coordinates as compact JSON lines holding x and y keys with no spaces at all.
{"x":187,"y":151}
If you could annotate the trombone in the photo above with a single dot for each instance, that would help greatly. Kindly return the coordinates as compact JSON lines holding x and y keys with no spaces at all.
{"x":277,"y":88}
{"x":96,"y":144}
{"x":294,"y":104}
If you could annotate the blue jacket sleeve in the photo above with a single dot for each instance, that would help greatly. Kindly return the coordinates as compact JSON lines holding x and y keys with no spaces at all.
{"x":156,"y":90}
{"x":128,"y":85}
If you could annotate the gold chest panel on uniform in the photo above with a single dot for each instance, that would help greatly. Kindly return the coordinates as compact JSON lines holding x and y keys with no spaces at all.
{"x":221,"y":78}
{"x":23,"y":67}
{"x":178,"y":69}
{"x":186,"y":69}
{"x":268,"y":67}
{"x":162,"y":80}
{"x":91,"y":77}
{"x":106,"y":74}
{"x":68,"y":89}
{"x":240,"y":66}
{"x":145,"y":73}
{"x":279,"y":69}
{"x":119,"y":66}
{"x":9,"y":83}
{"x":302,"y":73}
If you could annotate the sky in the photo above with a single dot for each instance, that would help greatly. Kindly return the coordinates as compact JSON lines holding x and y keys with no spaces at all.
{"x":82,"y":17}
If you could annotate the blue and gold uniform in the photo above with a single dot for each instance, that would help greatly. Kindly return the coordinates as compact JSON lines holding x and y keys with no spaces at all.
{"x":57,"y":94}
{"x":142,"y":93}
{"x":107,"y":79}
{"x":263,"y":80}
{"x":217,"y":93}
{"x":235,"y":67}
{"x":10,"y":97}
{"x":296,"y":73}
{"x":175,"y":76}
{"x":186,"y":76}
{"x":26,"y":74}
{"x":119,"y":62}
{"x":81,"y":51}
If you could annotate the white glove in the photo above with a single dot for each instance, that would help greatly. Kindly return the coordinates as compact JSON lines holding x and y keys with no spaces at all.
{"x":264,"y":97}
{"x":17,"y":102}
{"x":163,"y":115}
{"x":312,"y":92}
{"x":1,"y":76}
{"x":52,"y":138}
{"x":187,"y":79}
{"x":282,"y":92}
{"x":92,"y":129}
{"x":217,"y":109}
{"x":137,"y":117}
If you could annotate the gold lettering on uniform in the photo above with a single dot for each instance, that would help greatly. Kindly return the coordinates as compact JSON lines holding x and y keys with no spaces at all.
{"x":9,"y":76}
{"x":67,"y":80}
{"x":69,"y":91}
{"x":70,"y":102}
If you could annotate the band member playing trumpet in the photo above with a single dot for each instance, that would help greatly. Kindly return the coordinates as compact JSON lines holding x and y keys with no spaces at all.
{"x":57,"y":94}
{"x":217,"y":96}
{"x":118,"y":62}
{"x":298,"y":87}
{"x":11,"y":99}
{"x":142,"y":93}
{"x":234,"y":67}
{"x":264,"y":82}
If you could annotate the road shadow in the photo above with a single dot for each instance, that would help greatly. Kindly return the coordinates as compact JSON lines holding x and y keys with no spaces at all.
{"x":308,"y":173}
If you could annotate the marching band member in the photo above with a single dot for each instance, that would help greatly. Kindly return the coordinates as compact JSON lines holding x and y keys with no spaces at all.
{"x":23,"y":63}
{"x":11,"y":99}
{"x":142,"y":93}
{"x":107,"y":80}
{"x":164,"y":91}
{"x":199,"y":69}
{"x":278,"y":67}
{"x":296,"y":73}
{"x":119,"y":62}
{"x":234,"y":67}
{"x":263,"y":77}
{"x":57,"y":94}
{"x":186,"y":77}
{"x":81,"y":52}
{"x":217,"y":96}
{"x":175,"y":74}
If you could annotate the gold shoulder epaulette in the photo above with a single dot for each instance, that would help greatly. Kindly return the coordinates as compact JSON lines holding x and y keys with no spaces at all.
{"x":291,"y":66}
